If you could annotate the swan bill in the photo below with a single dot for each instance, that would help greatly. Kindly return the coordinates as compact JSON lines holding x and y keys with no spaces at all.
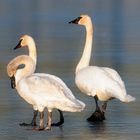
{"x":18,"y":45}
{"x":13,"y":82}
{"x":75,"y":21}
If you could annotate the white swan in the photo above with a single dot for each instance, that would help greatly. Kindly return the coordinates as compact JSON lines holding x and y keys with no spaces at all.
{"x":42,"y":90}
{"x":100,"y":82}
{"x":28,"y":41}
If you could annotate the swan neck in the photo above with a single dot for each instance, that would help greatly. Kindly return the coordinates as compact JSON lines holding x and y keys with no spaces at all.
{"x":32,"y":51}
{"x":85,"y":59}
{"x":28,"y":69}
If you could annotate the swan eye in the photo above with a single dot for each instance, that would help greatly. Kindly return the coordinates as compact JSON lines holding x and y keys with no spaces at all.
{"x":21,"y":66}
{"x":79,"y":18}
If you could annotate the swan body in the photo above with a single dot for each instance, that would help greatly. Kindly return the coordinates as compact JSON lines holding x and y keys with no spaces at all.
{"x":42,"y":90}
{"x":102,"y":83}
{"x":94,"y":80}
{"x":28,"y":41}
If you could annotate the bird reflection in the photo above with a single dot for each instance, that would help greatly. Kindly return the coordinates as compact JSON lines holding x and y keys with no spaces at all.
{"x":97,"y":127}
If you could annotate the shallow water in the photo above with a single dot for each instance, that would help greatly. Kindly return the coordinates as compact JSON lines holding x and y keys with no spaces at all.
{"x":59,"y":46}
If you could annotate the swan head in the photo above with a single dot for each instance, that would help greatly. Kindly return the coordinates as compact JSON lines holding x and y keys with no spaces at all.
{"x":11,"y":73}
{"x":22,"y":65}
{"x":12,"y":69}
{"x":82,"y":20}
{"x":24,"y":41}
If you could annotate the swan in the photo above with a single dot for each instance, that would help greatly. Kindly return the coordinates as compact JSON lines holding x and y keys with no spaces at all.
{"x":102,"y":83}
{"x":29,"y":42}
{"x":11,"y":69}
{"x":41,"y":90}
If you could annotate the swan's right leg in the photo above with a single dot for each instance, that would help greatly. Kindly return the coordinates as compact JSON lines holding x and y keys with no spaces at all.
{"x":61,"y":121}
{"x":49,"y":120}
{"x":33,"y":122}
{"x":98,"y":115}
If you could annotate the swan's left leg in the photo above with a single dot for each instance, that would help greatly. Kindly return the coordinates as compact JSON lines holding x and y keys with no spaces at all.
{"x":49,"y":120}
{"x":104,"y":106}
{"x":41,"y":125}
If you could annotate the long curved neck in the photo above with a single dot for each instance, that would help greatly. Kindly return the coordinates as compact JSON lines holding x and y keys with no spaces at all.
{"x":85,"y":59}
{"x":27,"y":70}
{"x":32,"y":51}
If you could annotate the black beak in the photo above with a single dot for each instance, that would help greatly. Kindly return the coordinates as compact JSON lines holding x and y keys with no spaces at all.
{"x":18,"y":45}
{"x":13,"y":82}
{"x":75,"y":21}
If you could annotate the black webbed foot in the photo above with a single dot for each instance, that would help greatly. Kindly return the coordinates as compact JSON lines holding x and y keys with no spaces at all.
{"x":28,"y":124}
{"x":39,"y":128}
{"x":33,"y":122}
{"x":97,"y":116}
{"x":57,"y":124}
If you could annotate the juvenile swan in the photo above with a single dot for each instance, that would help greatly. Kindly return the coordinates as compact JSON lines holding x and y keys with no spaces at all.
{"x":42,"y":90}
{"x":28,"y":41}
{"x":102,"y":83}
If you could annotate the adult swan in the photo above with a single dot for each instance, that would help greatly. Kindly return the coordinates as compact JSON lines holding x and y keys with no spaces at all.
{"x":102,"y":83}
{"x":41,"y":90}
{"x":28,"y":41}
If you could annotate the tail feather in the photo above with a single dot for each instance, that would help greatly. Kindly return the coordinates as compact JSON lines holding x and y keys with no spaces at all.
{"x":129,"y":98}
{"x":80,"y":105}
{"x":76,"y":106}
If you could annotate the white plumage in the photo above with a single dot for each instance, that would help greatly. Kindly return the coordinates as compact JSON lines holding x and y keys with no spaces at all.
{"x":39,"y":89}
{"x":100,"y":82}
{"x":103,"y":82}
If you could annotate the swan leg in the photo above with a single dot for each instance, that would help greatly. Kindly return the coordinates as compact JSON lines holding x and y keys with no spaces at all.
{"x":34,"y":118}
{"x":104,"y":106}
{"x":41,"y":125}
{"x":61,"y":121}
{"x":33,"y":122}
{"x":49,"y":120}
{"x":96,"y":102}
{"x":98,"y":115}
